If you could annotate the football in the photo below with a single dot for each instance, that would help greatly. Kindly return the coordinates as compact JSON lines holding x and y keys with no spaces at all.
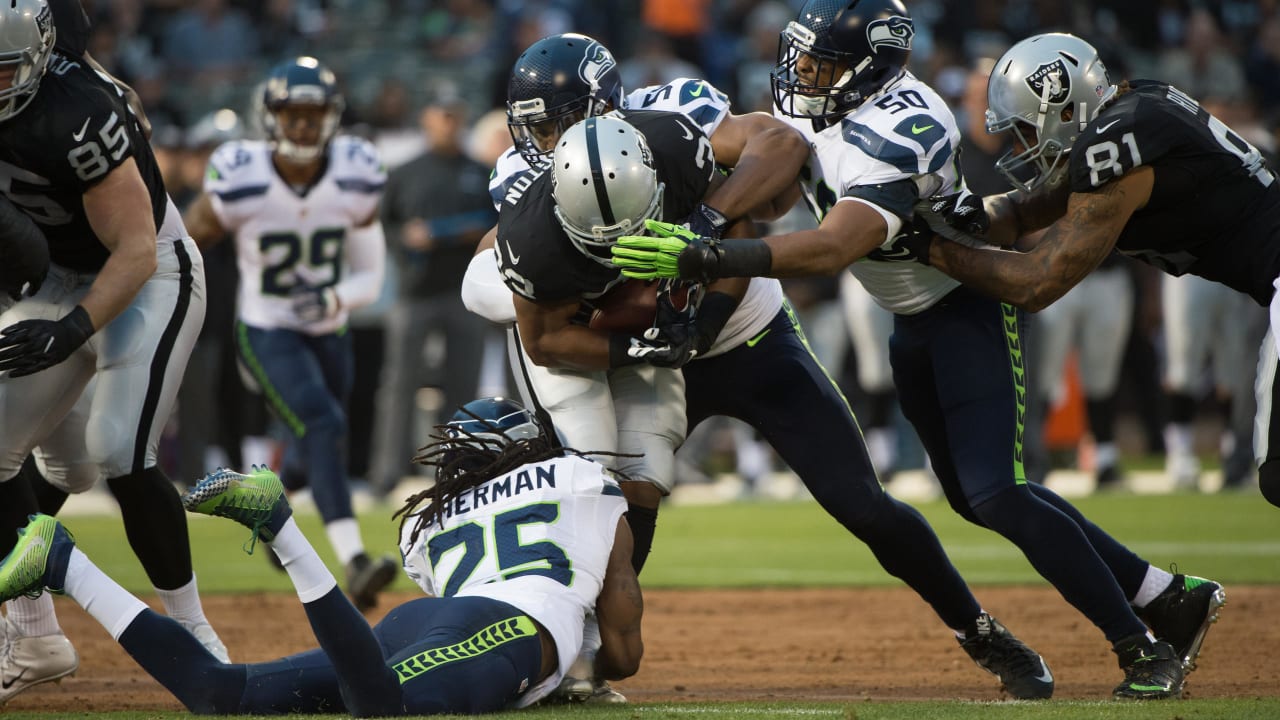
{"x":628,"y":308}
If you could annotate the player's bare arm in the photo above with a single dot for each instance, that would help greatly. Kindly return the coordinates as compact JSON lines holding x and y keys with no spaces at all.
{"x":551,"y":340}
{"x":1071,"y":248}
{"x":766,"y":156}
{"x":202,"y":222}
{"x":850,"y":231}
{"x":119,"y":211}
{"x":1015,"y":214}
{"x":619,"y":609}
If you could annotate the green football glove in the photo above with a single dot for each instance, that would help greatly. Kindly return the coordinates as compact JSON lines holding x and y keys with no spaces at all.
{"x":650,"y":257}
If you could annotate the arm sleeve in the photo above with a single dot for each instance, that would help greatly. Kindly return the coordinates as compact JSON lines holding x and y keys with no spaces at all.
{"x":483,"y":291}
{"x":367,"y":255}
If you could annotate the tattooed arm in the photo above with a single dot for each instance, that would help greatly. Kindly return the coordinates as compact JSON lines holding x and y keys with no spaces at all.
{"x":1014,"y":214}
{"x":1071,"y":248}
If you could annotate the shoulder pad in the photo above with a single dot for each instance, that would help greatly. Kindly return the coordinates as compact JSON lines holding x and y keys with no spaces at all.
{"x":238,"y":169}
{"x":356,"y":165}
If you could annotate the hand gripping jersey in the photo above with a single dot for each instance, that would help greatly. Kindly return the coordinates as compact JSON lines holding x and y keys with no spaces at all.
{"x":76,"y":130}
{"x":1214,"y":209}
{"x":286,"y":237}
{"x":538,"y":261}
{"x":891,"y":152}
{"x":538,"y":538}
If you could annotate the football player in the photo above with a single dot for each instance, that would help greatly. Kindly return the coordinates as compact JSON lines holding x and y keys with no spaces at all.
{"x":114,"y":319}
{"x":1138,"y":167}
{"x":883,"y":140}
{"x":498,"y":631}
{"x":303,"y":206}
{"x":760,"y":344}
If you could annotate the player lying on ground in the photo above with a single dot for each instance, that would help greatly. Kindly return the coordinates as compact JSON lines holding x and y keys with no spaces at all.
{"x":512,"y":618}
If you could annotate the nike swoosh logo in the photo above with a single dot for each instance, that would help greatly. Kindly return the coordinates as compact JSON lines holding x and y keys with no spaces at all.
{"x":899,"y":253}
{"x":755,"y":340}
{"x":78,"y":136}
{"x":1104,"y":128}
{"x":515,"y":259}
{"x":9,"y":683}
{"x":696,"y":93}
{"x":1045,"y":675}
{"x":688,"y":134}
{"x":915,"y":130}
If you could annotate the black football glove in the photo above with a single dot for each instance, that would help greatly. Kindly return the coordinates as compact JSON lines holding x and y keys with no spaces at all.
{"x":707,"y":221}
{"x":963,"y":211}
{"x":24,"y":252}
{"x":315,"y":304}
{"x":29,"y":346}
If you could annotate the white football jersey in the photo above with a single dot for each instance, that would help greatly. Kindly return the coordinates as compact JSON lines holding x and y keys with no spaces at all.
{"x":287,"y":237}
{"x":907,"y":132}
{"x":538,"y":538}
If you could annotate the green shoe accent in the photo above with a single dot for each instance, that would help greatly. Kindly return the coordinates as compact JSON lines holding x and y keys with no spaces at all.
{"x":22,"y":571}
{"x":255,"y":500}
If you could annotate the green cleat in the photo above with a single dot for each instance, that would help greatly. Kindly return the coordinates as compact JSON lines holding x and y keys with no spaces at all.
{"x":39,"y":560}
{"x":256,"y":501}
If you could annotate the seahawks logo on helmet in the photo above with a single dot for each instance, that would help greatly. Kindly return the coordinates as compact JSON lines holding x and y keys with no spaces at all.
{"x":1054,"y":77}
{"x":595,"y":64}
{"x":892,"y":32}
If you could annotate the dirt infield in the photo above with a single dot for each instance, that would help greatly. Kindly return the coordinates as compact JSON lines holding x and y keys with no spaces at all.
{"x":724,"y":645}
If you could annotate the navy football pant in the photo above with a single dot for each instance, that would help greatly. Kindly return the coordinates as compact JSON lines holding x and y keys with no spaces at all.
{"x":962,"y":383}
{"x":428,"y":656}
{"x":775,"y":384}
{"x":306,"y":381}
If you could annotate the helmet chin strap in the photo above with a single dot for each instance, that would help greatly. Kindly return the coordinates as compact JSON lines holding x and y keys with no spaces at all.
{"x":297,"y":154}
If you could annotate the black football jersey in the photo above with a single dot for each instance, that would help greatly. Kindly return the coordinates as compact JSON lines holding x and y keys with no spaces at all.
{"x":72,"y":26}
{"x":76,"y":129}
{"x":1215,"y":205}
{"x":537,"y":259}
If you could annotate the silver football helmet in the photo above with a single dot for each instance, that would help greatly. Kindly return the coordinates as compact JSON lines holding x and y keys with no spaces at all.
{"x":604,"y":183}
{"x":26,"y":40}
{"x":1045,"y":90}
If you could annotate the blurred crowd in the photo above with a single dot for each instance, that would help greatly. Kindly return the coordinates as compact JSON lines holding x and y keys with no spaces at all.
{"x":421,"y":74}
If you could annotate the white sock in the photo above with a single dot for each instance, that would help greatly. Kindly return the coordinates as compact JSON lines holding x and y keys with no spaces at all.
{"x":1153,"y":584}
{"x":1105,"y":455}
{"x":100,"y":596}
{"x":310,"y":577}
{"x":33,"y":617}
{"x":1177,"y":439}
{"x":183,"y":604}
{"x":344,"y":536}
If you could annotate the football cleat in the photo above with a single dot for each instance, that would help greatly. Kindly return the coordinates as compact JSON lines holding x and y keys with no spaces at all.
{"x":1152,"y":670}
{"x":1182,"y":614}
{"x":366,"y":578}
{"x":1023,"y":673}
{"x":256,"y":501}
{"x":39,"y":560}
{"x":29,"y":661}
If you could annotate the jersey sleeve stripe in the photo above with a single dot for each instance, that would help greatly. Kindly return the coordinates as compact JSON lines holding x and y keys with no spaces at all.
{"x":241,"y":193}
{"x":356,"y":185}
{"x":881,"y":148}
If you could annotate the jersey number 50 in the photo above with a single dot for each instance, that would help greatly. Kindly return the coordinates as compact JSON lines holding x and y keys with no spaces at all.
{"x":513,"y":558}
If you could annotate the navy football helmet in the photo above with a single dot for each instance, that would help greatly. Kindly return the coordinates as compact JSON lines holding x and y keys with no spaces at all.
{"x":556,"y":82}
{"x":491,"y":424}
{"x":838,"y":53}
{"x":26,"y":40}
{"x":301,"y":82}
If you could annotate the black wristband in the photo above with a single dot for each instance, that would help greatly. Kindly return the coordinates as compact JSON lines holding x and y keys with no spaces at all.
{"x":619,"y":344}
{"x":744,"y":257}
{"x":78,"y":320}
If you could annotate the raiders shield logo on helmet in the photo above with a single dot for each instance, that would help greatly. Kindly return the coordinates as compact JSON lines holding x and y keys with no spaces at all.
{"x":595,"y":64}
{"x":1054,"y":77}
{"x":895,"y":31}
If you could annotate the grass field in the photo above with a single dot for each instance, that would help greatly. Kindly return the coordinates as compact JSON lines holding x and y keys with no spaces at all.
{"x":1230,"y":537}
